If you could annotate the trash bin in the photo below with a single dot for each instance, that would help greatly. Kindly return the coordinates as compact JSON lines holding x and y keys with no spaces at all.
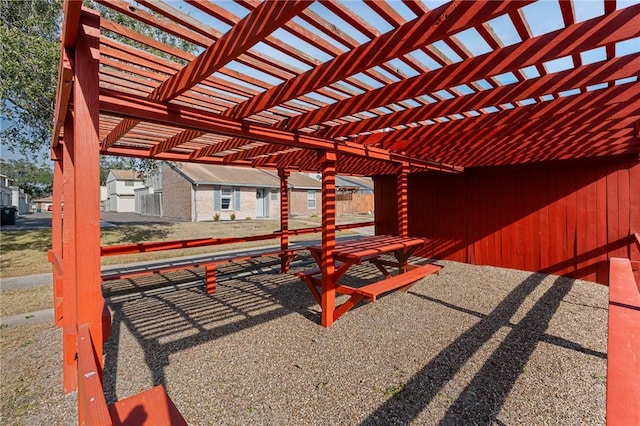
{"x":8,"y":215}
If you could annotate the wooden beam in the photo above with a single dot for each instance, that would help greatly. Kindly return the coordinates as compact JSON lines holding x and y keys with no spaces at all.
{"x":284,"y":217}
{"x":86,"y":170}
{"x":403,"y":200}
{"x":584,"y":76}
{"x":448,"y":19}
{"x":174,"y":141}
{"x":254,"y":152}
{"x":262,"y":21}
{"x":328,"y":285}
{"x":400,"y":139}
{"x":140,"y":109}
{"x":63,"y":94}
{"x":70,"y":23}
{"x":619,"y":26}
{"x":69,"y":276}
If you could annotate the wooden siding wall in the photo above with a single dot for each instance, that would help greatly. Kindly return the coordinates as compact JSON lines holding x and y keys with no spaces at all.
{"x":563,"y":218}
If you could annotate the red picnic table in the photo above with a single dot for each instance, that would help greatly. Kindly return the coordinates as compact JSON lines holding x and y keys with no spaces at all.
{"x":368,"y":249}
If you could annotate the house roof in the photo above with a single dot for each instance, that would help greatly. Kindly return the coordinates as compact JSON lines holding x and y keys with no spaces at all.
{"x":360,"y":183}
{"x":302,"y":181}
{"x":125,"y":174}
{"x":209,"y":174}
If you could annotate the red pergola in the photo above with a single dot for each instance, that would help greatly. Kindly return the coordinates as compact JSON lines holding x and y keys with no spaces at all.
{"x":375,"y":88}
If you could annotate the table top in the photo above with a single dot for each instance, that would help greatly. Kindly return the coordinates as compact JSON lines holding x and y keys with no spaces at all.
{"x":370,"y":247}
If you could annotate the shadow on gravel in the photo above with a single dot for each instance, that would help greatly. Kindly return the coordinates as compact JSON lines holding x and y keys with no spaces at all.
{"x":480,"y":402}
{"x":168,"y":323}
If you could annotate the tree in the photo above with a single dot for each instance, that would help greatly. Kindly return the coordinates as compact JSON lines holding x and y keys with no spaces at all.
{"x":29,"y":36}
{"x":36,"y":181}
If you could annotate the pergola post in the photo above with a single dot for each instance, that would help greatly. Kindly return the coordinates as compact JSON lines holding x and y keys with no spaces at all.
{"x":328,"y":297}
{"x":86,"y":160}
{"x":56,"y":235}
{"x":69,"y":238}
{"x":284,"y":220}
{"x":403,"y":197}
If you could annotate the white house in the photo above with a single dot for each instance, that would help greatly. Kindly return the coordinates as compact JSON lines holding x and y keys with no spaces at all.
{"x":11,"y":195}
{"x":121,"y":186}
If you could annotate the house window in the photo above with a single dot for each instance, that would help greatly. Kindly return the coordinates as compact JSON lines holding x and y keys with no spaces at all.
{"x":311,"y":199}
{"x":128,"y":183}
{"x":226,"y":195}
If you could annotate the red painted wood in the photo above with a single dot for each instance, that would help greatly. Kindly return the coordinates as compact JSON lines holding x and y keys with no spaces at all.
{"x":552,"y":217}
{"x":328,"y":294}
{"x":634,"y":206}
{"x":623,"y":343}
{"x":56,"y":235}
{"x":624,"y":230}
{"x":87,"y":179}
{"x":601,"y":224}
{"x":152,"y":407}
{"x":69,"y":290}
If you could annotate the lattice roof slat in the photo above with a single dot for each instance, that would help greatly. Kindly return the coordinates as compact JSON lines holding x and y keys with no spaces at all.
{"x":380,"y":83}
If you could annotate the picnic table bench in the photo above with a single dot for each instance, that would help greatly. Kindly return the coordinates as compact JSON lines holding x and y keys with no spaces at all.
{"x":368,"y":249}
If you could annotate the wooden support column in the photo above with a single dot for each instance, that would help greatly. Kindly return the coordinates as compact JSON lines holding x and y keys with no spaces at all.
{"x":210,"y":279}
{"x":86,"y":170}
{"x":284,"y":219}
{"x":69,"y":237}
{"x":403,"y":199}
{"x":328,"y":296}
{"x":56,"y":235}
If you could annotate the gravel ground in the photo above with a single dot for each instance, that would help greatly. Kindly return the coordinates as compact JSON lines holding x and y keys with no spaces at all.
{"x":472,"y":345}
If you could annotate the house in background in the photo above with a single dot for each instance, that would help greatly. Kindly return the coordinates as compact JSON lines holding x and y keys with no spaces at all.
{"x":121,"y":185}
{"x":200,"y":192}
{"x":12,"y":195}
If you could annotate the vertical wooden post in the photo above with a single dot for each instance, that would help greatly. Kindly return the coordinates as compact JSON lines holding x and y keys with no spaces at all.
{"x":69,"y":307}
{"x":403,"y":196}
{"x":328,"y":297}
{"x":284,"y":219}
{"x":86,"y":170}
{"x":56,"y":235}
{"x":210,"y":279}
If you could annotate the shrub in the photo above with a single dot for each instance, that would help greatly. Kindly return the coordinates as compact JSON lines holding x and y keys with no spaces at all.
{"x":216,"y":217}
{"x":233,"y":216}
{"x":247,"y":218}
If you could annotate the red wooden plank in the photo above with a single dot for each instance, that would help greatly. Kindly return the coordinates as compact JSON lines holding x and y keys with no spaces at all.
{"x":613,"y":218}
{"x":261,"y":22}
{"x":551,"y":83}
{"x":519,"y":226}
{"x":623,"y":343}
{"x":624,"y":229}
{"x":328,"y":295}
{"x":57,"y":236}
{"x":531,"y":199}
{"x":152,"y":407}
{"x":447,"y":19}
{"x":577,"y":38}
{"x":87,"y":179}
{"x":572,"y":213}
{"x":371,"y":291}
{"x":69,"y":279}
{"x":634,"y":204}
{"x":601,"y":227}
{"x":92,"y":406}
{"x":585,"y":223}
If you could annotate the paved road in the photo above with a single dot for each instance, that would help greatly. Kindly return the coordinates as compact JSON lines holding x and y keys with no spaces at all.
{"x":43,"y":220}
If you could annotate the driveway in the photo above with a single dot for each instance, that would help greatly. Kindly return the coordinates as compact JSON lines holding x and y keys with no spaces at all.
{"x":43,"y":220}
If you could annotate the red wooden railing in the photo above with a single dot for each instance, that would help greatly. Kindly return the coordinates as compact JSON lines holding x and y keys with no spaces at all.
{"x":623,"y":358}
{"x":115,"y":250}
